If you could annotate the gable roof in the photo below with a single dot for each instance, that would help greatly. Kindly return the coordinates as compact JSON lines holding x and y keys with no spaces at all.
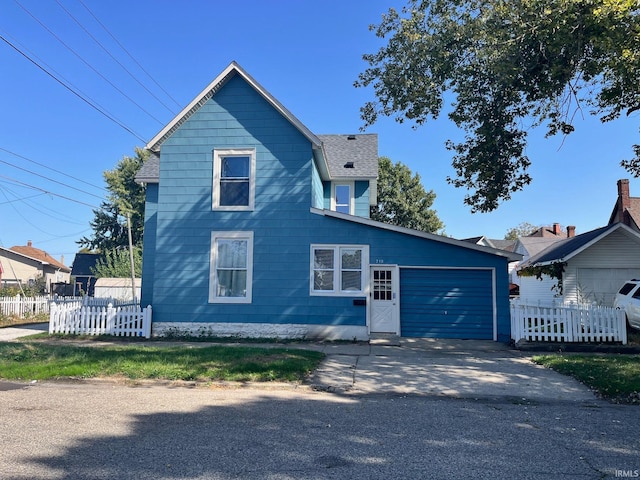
{"x":210,"y":90}
{"x":38,"y":255}
{"x":83,"y":263}
{"x":512,"y":257}
{"x":535,"y":245}
{"x":351,"y":156}
{"x":564,"y":250}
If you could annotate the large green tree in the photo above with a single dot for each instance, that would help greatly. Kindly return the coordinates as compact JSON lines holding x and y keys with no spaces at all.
{"x":402,"y":200}
{"x":126,"y":196}
{"x":117,"y":264}
{"x":506,"y":65}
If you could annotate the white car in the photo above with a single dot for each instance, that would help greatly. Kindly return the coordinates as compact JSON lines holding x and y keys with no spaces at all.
{"x":628,"y":299}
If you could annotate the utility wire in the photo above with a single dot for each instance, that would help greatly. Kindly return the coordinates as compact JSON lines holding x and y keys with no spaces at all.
{"x":18,"y":182}
{"x":86,"y":63}
{"x":112,"y":57}
{"x":87,"y":101}
{"x":52,"y":169}
{"x":50,"y":179}
{"x":130,"y":56}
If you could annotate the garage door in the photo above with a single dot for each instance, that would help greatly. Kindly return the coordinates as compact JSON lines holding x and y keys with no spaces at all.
{"x":443,"y":303}
{"x":600,"y":285}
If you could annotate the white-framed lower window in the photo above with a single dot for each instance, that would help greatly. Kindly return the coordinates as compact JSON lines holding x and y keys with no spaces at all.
{"x":339,"y":270}
{"x":234,"y":179}
{"x":342,"y":198}
{"x":231,"y":267}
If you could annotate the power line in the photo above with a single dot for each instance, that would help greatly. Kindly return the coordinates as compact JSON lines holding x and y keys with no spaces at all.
{"x":85,"y":62}
{"x":129,"y":54}
{"x":88,"y":102}
{"x":52,"y":169}
{"x":18,"y":182}
{"x":112,"y":57}
{"x":50,"y":179}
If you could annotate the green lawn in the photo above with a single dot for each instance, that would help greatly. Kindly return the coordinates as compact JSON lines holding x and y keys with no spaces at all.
{"x":616,"y":377}
{"x":36,"y":361}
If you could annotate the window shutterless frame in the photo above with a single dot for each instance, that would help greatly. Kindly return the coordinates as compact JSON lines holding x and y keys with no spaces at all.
{"x":339,"y":270}
{"x":343,"y":197}
{"x":234,"y":172}
{"x":231,"y":267}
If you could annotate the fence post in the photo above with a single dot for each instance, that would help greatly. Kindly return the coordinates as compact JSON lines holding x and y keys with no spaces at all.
{"x":146,"y":322}
{"x":111,"y":319}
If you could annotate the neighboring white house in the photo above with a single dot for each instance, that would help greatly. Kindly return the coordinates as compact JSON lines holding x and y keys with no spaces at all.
{"x":596,"y":265}
{"x":116,"y":288}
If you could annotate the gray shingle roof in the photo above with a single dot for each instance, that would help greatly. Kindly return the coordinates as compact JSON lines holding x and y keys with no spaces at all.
{"x":150,"y":170}
{"x":565,"y":249}
{"x":360,"y":151}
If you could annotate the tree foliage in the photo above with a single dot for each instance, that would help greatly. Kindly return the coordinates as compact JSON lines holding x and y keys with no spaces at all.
{"x":510,"y":65}
{"x":126,"y":196}
{"x":402,"y":200}
{"x":522,"y":230}
{"x":116,"y":263}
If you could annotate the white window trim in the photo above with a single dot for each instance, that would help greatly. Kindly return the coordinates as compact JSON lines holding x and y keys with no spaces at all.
{"x":237,"y":235}
{"x":231,"y":152}
{"x":352,"y":199}
{"x":337,"y":280}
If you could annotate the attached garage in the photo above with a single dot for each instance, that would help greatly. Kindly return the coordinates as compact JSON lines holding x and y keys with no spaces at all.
{"x":447,"y":303}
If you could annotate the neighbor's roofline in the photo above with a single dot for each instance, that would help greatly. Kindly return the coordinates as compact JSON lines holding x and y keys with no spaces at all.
{"x":582,"y":248}
{"x":511,"y":256}
{"x":210,"y":91}
{"x":42,"y":262}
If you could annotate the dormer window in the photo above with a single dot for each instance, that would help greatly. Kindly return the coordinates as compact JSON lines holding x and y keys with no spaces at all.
{"x":342,"y":200}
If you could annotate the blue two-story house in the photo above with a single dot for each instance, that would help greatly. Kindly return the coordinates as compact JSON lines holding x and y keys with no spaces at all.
{"x":255,"y":226}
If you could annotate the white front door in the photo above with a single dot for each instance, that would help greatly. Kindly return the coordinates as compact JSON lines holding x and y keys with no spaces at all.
{"x":385,"y":300}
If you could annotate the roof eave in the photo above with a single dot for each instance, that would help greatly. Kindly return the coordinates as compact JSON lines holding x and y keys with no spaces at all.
{"x":512,"y":257}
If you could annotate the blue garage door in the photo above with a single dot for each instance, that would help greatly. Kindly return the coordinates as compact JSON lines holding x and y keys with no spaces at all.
{"x":446,"y":303}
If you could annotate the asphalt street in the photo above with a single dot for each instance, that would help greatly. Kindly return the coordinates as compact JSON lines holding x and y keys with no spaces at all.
{"x":96,"y":430}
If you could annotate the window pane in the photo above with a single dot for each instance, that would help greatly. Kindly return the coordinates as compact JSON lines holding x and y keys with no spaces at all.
{"x":351,"y":258}
{"x":235,"y":167}
{"x":232,"y":283}
{"x":323,"y":279}
{"x":323,"y":259}
{"x":232,"y":254}
{"x":342,"y":195}
{"x":234,"y":192}
{"x":351,"y":281}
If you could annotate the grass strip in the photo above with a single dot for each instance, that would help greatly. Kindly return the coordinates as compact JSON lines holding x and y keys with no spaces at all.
{"x":613,"y":376}
{"x":32,"y":361}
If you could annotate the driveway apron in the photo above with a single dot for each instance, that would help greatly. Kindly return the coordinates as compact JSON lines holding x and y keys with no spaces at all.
{"x":458,"y":368}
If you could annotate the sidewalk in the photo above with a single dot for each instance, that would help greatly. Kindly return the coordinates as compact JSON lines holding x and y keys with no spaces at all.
{"x":454,"y":368}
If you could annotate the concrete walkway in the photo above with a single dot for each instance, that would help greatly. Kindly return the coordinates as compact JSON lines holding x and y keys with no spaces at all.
{"x":455,"y":368}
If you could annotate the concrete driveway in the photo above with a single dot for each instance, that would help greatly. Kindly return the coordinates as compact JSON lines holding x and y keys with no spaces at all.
{"x":458,"y":368}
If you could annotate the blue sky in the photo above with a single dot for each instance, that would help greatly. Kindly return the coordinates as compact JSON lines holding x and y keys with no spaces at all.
{"x":307,"y":54}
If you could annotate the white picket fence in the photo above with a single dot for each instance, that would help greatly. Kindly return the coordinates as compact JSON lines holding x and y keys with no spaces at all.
{"x":567,"y":323}
{"x":24,"y":306}
{"x":77,"y":319}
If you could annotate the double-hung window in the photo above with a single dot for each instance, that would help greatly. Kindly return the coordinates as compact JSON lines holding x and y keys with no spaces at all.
{"x":231,"y":267}
{"x":338,"y":269}
{"x":342,"y":198}
{"x":234,"y":179}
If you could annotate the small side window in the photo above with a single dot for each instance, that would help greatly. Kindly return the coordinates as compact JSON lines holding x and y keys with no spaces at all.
{"x":626,"y":288}
{"x":636,"y":294}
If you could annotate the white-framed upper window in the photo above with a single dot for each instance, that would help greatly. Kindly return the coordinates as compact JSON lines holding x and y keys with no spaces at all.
{"x":342,"y":198}
{"x":234,"y":172}
{"x":231,"y":267}
{"x":339,"y":270}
